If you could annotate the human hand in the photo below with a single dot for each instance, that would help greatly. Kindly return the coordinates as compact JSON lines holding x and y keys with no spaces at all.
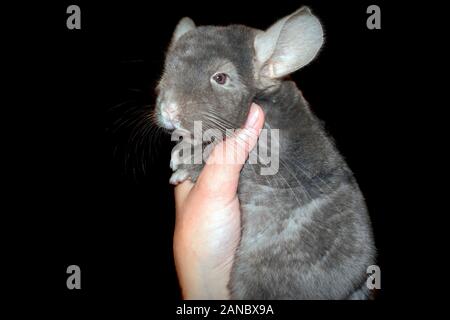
{"x":208,"y":220}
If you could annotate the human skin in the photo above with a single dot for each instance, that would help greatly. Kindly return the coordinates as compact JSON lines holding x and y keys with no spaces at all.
{"x":208,"y":221}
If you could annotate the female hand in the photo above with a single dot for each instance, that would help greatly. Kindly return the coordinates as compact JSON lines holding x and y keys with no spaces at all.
{"x":208,"y":221}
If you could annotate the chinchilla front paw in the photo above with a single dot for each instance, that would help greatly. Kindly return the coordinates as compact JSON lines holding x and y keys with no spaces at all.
{"x":183,"y":165}
{"x":179,"y":176}
{"x":185,"y":172}
{"x":175,"y":161}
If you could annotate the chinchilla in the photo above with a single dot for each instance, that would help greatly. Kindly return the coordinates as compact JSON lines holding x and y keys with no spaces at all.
{"x":306,"y":233}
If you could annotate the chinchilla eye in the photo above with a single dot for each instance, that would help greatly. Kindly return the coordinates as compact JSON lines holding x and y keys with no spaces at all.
{"x":220,"y":78}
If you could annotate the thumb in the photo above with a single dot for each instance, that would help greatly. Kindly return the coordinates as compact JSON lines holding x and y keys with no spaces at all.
{"x":220,"y":176}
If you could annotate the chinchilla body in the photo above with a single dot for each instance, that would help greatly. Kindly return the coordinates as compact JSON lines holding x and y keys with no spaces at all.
{"x":306,"y":232}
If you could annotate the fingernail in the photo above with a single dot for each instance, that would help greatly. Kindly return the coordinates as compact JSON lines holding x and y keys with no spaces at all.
{"x":253,"y":116}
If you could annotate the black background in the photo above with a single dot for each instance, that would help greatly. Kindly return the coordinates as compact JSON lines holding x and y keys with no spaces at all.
{"x":93,"y":188}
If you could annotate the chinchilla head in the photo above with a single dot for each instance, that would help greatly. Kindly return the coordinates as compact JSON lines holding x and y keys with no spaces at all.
{"x":212,"y":74}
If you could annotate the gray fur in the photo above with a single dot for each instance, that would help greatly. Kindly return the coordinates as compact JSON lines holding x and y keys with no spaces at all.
{"x":306,"y":233}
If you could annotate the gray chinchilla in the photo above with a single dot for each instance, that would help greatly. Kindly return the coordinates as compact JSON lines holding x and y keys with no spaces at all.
{"x":306,"y":233}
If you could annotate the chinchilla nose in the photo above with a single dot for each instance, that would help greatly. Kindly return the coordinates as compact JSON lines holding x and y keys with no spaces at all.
{"x":168,"y":114}
{"x":169,"y":111}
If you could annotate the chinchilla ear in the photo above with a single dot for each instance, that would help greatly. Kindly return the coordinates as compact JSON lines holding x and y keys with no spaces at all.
{"x":185,"y":25}
{"x":289,"y":44}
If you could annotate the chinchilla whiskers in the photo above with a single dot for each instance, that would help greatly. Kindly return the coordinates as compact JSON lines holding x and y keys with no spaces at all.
{"x":215,"y":124}
{"x":143,"y":138}
{"x":129,"y":117}
{"x":117,"y":106}
{"x":218,"y":120}
{"x":216,"y":114}
{"x":138,"y":124}
{"x":211,"y":125}
{"x":223,"y":124}
{"x":226,"y":128}
{"x":124,"y":120}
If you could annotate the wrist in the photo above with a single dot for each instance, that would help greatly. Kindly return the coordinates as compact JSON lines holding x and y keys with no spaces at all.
{"x":200,"y":280}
